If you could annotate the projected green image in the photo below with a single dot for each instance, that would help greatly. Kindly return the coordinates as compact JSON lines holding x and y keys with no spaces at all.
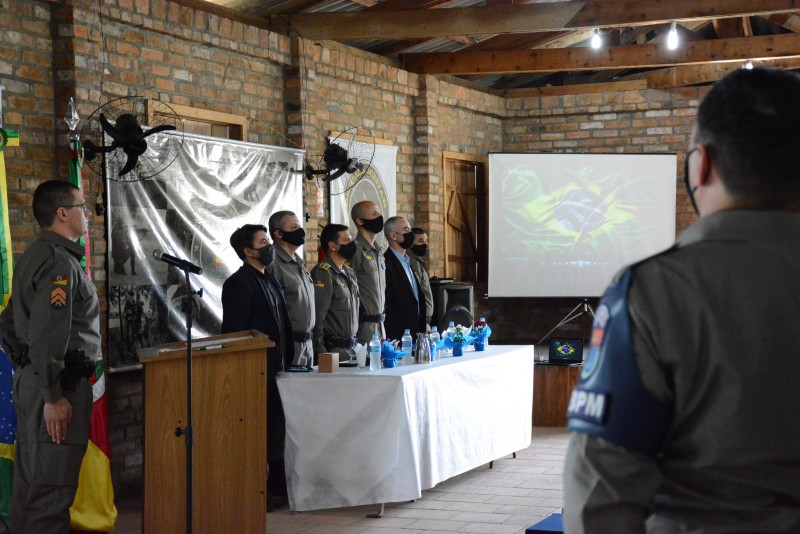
{"x":587,"y":211}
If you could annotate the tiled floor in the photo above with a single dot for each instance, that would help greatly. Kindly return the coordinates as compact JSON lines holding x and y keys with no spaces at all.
{"x":507,"y":499}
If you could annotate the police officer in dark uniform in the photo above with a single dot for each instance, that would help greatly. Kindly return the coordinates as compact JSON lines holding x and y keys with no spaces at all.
{"x":51,"y":330}
{"x":290,"y":270}
{"x":336,"y":294}
{"x":370,"y":267}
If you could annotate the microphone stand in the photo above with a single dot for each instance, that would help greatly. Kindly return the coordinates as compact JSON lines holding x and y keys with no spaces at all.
{"x":187,"y":431}
{"x":586,"y":308}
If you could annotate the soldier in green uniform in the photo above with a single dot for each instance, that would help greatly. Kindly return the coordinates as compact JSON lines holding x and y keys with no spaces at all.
{"x":370,"y":268}
{"x":418,"y":251}
{"x":290,"y":270}
{"x":52,"y":332}
{"x":336,"y":294}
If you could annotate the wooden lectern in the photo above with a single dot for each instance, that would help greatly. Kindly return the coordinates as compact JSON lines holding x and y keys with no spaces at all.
{"x":229,"y":418}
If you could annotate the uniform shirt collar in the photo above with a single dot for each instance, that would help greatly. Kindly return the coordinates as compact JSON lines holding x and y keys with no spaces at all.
{"x":72,"y":246}
{"x":285,"y":256}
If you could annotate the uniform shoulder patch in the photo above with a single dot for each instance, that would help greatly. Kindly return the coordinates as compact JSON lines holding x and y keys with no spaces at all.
{"x":320,"y":284}
{"x":60,"y":280}
{"x":58,"y":298}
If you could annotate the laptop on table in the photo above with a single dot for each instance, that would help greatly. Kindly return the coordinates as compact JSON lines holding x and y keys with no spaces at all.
{"x":565,"y":351}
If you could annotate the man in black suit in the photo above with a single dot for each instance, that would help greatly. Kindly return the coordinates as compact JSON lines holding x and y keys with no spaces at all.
{"x":405,"y":302}
{"x":252,"y":299}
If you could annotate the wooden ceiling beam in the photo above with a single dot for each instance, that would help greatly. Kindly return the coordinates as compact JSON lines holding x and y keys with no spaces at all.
{"x":620,"y":57}
{"x":632,"y":85}
{"x":701,"y":74}
{"x":499,"y":19}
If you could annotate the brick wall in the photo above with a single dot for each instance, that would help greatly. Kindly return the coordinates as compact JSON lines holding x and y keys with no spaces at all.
{"x":301,"y":90}
{"x":26,"y":71}
{"x":342,"y":87}
{"x":645,"y":121}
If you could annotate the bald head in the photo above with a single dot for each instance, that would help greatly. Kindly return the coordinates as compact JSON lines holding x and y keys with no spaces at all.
{"x":366,"y":209}
{"x":368,"y":219}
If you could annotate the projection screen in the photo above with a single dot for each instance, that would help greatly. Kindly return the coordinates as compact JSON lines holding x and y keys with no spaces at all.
{"x":561,"y":225}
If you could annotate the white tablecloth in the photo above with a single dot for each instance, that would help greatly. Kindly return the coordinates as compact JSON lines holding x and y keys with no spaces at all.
{"x":359,"y":437}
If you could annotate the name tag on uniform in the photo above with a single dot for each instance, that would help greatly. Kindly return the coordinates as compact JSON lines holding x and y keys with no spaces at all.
{"x":588,"y":405}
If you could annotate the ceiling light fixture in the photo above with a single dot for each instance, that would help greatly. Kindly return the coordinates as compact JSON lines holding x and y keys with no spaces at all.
{"x":672,"y":36}
{"x":597,"y":41}
{"x":748,"y":65}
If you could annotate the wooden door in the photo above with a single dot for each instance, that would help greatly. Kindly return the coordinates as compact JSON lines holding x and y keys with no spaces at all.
{"x":465,"y":208}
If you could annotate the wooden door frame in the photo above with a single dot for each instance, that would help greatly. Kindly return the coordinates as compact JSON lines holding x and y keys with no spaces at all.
{"x":483,"y":213}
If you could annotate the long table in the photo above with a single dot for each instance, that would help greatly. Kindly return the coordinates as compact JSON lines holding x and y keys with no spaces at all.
{"x":359,"y":437}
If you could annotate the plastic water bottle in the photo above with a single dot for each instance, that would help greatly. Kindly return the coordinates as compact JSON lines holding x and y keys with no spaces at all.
{"x":375,"y":353}
{"x":405,"y":345}
{"x":435,"y":337}
{"x":449,"y":333}
{"x":479,"y":326}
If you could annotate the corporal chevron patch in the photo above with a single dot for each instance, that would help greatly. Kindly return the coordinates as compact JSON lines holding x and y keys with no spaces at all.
{"x":58,"y":298}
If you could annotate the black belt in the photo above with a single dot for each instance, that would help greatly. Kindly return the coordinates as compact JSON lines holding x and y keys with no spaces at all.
{"x":379,"y":318}
{"x":302,"y":337}
{"x":340,"y":342}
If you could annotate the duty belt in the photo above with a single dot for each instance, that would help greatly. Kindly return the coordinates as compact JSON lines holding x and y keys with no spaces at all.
{"x":340,"y":342}
{"x":379,"y":318}
{"x":302,"y":337}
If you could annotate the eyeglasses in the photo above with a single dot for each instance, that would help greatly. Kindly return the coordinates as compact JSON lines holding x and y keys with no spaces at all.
{"x":84,"y":206}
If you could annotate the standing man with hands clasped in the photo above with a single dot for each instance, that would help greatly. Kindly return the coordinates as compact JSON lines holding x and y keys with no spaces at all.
{"x":370,"y":269}
{"x":336,"y":294}
{"x":52,"y":333}
{"x":252,"y":299}
{"x":290,"y":270}
{"x":405,"y":302}
{"x":685,"y":416}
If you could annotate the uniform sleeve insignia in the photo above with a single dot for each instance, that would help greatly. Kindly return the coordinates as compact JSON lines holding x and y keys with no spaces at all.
{"x":60,"y":280}
{"x":320,"y":284}
{"x":58,"y":298}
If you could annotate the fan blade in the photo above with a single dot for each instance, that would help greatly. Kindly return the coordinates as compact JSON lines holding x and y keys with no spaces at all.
{"x":109,"y":128}
{"x":157,"y":129}
{"x":129,"y":165}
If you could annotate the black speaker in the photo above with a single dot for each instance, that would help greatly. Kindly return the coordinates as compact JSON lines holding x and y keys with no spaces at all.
{"x":451,"y":302}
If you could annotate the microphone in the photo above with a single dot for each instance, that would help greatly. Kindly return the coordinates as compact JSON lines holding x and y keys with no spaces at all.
{"x":184,"y":265}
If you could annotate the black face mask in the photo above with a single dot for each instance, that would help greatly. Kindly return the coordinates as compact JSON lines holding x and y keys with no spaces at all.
{"x":348,"y":251}
{"x":374,"y":225}
{"x":420,"y":250}
{"x":295,"y":237}
{"x":689,"y":190}
{"x":408,"y":240}
{"x":266,"y":254}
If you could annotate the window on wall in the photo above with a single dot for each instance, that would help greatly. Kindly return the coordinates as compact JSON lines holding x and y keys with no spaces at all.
{"x":212,"y":123}
{"x":466,"y":217}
